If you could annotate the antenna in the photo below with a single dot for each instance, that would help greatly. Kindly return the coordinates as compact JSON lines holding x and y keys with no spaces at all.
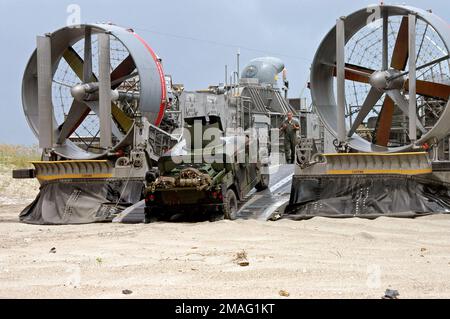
{"x":238,"y":62}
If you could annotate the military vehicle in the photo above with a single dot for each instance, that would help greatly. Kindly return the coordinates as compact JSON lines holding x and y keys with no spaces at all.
{"x":212,"y":176}
{"x":209,"y":178}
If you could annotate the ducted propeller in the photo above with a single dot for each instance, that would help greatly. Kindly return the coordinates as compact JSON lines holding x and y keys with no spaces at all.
{"x":393,"y":81}
{"x":86,"y":80}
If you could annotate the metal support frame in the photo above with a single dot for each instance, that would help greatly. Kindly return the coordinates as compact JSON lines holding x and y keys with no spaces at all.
{"x":412,"y":79}
{"x":340,"y":78}
{"x":44,"y":79}
{"x":105,"y":90}
{"x":385,"y":39}
{"x":87,"y":62}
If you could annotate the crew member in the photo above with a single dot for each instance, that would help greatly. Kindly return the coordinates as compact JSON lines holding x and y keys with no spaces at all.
{"x":290,"y":128}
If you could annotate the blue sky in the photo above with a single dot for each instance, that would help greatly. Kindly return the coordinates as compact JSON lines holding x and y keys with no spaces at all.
{"x":195,"y":38}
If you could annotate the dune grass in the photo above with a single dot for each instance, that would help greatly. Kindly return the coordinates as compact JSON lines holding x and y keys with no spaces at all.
{"x":18,"y":156}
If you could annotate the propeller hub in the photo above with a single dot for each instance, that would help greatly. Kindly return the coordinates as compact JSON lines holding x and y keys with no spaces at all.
{"x":89,"y":92}
{"x":85,"y":92}
{"x":386,"y":80}
{"x":78,"y":92}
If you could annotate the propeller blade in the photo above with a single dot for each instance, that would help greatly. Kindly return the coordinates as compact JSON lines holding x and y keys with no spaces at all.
{"x":126,"y":67}
{"x":78,"y":66}
{"x":384,"y":122}
{"x":356,"y":73}
{"x":403,"y":105}
{"x":124,"y":121}
{"x":400,"y":55}
{"x":95,"y":107}
{"x":105,"y":90}
{"x":87,"y":65}
{"x":44,"y":79}
{"x":371,"y":99}
{"x":74,"y":61}
{"x":431,"y":89}
{"x":77,"y":113}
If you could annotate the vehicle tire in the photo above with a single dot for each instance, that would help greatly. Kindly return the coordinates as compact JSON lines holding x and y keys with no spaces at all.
{"x":150,"y":216}
{"x":230,"y":205}
{"x":263,"y":183}
{"x":215,"y":217}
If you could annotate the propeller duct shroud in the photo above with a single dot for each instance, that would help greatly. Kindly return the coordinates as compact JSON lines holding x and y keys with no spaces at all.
{"x":77,"y":47}
{"x":388,"y":77}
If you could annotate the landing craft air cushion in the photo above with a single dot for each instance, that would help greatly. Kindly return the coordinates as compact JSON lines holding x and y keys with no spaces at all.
{"x":101,"y":131}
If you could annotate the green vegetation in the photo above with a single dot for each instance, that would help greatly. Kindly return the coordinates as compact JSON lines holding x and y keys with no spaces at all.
{"x":18,"y":156}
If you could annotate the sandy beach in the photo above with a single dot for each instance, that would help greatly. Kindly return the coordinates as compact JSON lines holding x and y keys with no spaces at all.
{"x":319,"y":258}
